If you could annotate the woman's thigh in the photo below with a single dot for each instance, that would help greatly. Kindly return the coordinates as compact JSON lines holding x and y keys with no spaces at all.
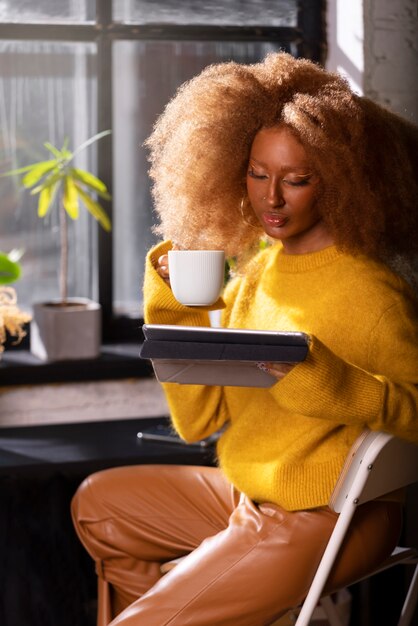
{"x":246,"y":575}
{"x":256,"y":569}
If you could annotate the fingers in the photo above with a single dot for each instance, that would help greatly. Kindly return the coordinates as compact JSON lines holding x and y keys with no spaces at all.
{"x":278,"y":370}
{"x":162,"y":268}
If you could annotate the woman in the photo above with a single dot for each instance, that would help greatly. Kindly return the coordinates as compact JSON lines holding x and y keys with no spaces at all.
{"x":285,"y":150}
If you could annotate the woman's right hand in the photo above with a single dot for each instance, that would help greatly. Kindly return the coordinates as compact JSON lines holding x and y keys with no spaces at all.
{"x":162,"y":268}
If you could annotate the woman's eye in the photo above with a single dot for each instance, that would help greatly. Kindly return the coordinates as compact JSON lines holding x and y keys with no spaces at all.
{"x":297,"y":183}
{"x":255,"y":175}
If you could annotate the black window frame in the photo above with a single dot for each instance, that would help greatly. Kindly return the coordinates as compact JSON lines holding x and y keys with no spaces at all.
{"x":307,"y":39}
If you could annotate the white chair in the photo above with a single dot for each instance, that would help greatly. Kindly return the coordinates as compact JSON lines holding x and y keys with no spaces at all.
{"x":377,"y":464}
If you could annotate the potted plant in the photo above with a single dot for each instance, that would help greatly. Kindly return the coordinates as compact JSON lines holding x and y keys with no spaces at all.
{"x":66,"y":328}
{"x":12,"y":319}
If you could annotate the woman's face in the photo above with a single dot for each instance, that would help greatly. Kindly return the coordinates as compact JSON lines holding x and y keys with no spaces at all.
{"x":283,"y":189}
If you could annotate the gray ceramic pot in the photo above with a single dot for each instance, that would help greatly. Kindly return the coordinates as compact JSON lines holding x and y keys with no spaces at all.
{"x":61,"y":332}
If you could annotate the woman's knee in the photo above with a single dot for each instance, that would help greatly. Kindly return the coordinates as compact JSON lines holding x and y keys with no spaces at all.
{"x":102,"y":496}
{"x":90,"y":500}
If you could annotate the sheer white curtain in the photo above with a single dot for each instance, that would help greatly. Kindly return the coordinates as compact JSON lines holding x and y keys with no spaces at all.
{"x":47,"y":93}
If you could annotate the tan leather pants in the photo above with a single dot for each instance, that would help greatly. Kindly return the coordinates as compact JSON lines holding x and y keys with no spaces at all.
{"x":248,"y":563}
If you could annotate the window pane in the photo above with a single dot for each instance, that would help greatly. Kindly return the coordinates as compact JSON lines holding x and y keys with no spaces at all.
{"x":233,"y":13}
{"x":144,"y":81}
{"x":47,"y":10}
{"x":47,"y":93}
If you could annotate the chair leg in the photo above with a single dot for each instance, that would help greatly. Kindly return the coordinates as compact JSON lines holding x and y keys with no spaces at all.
{"x":325,"y":565}
{"x":104,"y":612}
{"x":410,"y":601}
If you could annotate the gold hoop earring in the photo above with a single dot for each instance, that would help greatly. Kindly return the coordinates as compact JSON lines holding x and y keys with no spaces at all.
{"x":250,"y":213}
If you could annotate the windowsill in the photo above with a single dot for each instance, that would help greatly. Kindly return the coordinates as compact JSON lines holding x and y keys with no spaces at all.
{"x":20,"y":367}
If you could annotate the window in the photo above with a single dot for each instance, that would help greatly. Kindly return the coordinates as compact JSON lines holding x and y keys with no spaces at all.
{"x":70,"y":68}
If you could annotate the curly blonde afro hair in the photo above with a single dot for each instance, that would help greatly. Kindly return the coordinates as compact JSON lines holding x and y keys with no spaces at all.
{"x":366,"y":157}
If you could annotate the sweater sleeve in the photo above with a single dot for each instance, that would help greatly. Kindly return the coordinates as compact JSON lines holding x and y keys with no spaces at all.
{"x":385,"y":398}
{"x":197,"y":411}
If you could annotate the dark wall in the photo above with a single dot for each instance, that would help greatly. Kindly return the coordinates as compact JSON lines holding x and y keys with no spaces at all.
{"x":46,"y":577}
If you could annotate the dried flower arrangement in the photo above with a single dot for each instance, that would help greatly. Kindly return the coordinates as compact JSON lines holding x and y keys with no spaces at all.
{"x":12,"y":319}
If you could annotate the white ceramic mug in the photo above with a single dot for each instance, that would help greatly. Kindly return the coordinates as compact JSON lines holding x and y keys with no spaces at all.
{"x":196,"y":276}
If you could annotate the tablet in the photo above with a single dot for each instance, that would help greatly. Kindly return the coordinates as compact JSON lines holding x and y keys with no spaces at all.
{"x":219,"y":356}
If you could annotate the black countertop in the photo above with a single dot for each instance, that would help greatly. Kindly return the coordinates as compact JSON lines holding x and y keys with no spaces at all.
{"x":93,"y":445}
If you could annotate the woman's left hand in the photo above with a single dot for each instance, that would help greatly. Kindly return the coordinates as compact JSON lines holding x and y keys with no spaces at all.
{"x":278,"y":370}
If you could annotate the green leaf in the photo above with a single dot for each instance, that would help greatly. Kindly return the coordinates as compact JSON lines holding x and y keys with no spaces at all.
{"x":70,"y":198}
{"x":9,"y":270}
{"x":53,"y":178}
{"x":19,"y":170}
{"x":91,"y":181}
{"x":95,"y":209}
{"x":67,"y":156}
{"x":45,"y":201}
{"x":37,"y":171}
{"x":53,"y":149}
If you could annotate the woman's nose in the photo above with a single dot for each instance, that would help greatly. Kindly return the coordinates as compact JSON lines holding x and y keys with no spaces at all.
{"x":274,"y":195}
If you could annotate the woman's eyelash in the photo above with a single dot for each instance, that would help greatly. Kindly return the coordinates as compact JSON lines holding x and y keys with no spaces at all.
{"x":292,"y":183}
{"x":254,"y":175}
{"x":297,"y":183}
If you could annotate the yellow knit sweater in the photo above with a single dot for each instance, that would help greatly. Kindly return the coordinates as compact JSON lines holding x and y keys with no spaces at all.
{"x":287,"y":444}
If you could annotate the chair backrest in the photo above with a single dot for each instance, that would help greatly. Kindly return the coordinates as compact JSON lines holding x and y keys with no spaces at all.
{"x":378,"y":463}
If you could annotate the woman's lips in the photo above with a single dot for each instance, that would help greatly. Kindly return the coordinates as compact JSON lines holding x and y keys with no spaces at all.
{"x":273,"y":219}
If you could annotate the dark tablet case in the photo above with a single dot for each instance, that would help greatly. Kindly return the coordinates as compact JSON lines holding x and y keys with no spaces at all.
{"x":218,"y":356}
